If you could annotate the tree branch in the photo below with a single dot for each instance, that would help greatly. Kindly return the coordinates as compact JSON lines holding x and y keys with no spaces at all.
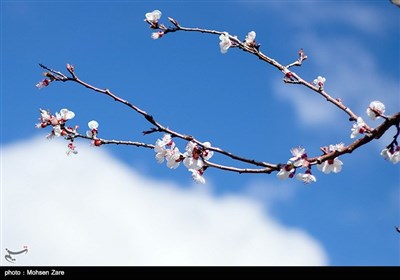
{"x":299,"y":159}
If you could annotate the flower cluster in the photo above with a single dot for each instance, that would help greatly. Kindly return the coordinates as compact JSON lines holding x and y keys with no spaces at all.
{"x":225,"y":43}
{"x":298,"y":160}
{"x":166,"y":148}
{"x":193,"y":158}
{"x":375,"y":110}
{"x":152,"y":18}
{"x":58,"y":122}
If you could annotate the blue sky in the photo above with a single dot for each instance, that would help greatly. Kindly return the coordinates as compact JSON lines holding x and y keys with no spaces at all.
{"x":234,"y":101}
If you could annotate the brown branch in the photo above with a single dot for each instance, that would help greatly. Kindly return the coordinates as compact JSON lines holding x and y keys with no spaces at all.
{"x":159,"y":127}
{"x":73,"y":134}
{"x":268,"y":167}
{"x":376,"y":133}
{"x":266,"y":170}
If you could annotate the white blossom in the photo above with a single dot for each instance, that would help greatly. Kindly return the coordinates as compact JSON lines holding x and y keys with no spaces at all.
{"x":358,"y":127}
{"x":157,"y":35}
{"x":45,"y":119}
{"x":172,"y":155}
{"x":193,"y":155}
{"x":328,"y":166}
{"x":160,"y":153}
{"x":166,"y":140}
{"x":65,"y":115}
{"x":336,"y":147}
{"x":250,"y":37}
{"x":192,"y":163}
{"x":320,"y":81}
{"x":299,"y":156}
{"x":93,"y":125}
{"x":306,"y":177}
{"x":43,"y":83}
{"x":190,"y":146}
{"x":160,"y":149}
{"x":375,"y":109}
{"x":332,"y":165}
{"x":166,"y":148}
{"x":225,"y":43}
{"x":153,"y":16}
{"x":71,"y":149}
{"x":393,"y":155}
{"x":197,"y":176}
{"x":57,"y":130}
{"x":286,"y":171}
{"x":44,"y":115}
{"x":206,"y":153}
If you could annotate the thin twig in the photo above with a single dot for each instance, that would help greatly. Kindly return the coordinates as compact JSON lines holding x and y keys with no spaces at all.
{"x":277,"y":65}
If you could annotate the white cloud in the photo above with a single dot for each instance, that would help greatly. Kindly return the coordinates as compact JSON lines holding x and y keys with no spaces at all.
{"x":310,"y":108}
{"x":357,"y":16}
{"x":91,"y":209}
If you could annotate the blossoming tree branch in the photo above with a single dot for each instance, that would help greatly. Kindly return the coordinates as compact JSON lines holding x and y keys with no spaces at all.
{"x":197,"y":155}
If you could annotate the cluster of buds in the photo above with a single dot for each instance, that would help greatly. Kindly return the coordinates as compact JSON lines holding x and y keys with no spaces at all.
{"x":298,"y":160}
{"x":152,"y":18}
{"x":58,"y":123}
{"x":193,"y":158}
{"x":302,"y":56}
{"x":226,"y":42}
{"x":289,"y":77}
